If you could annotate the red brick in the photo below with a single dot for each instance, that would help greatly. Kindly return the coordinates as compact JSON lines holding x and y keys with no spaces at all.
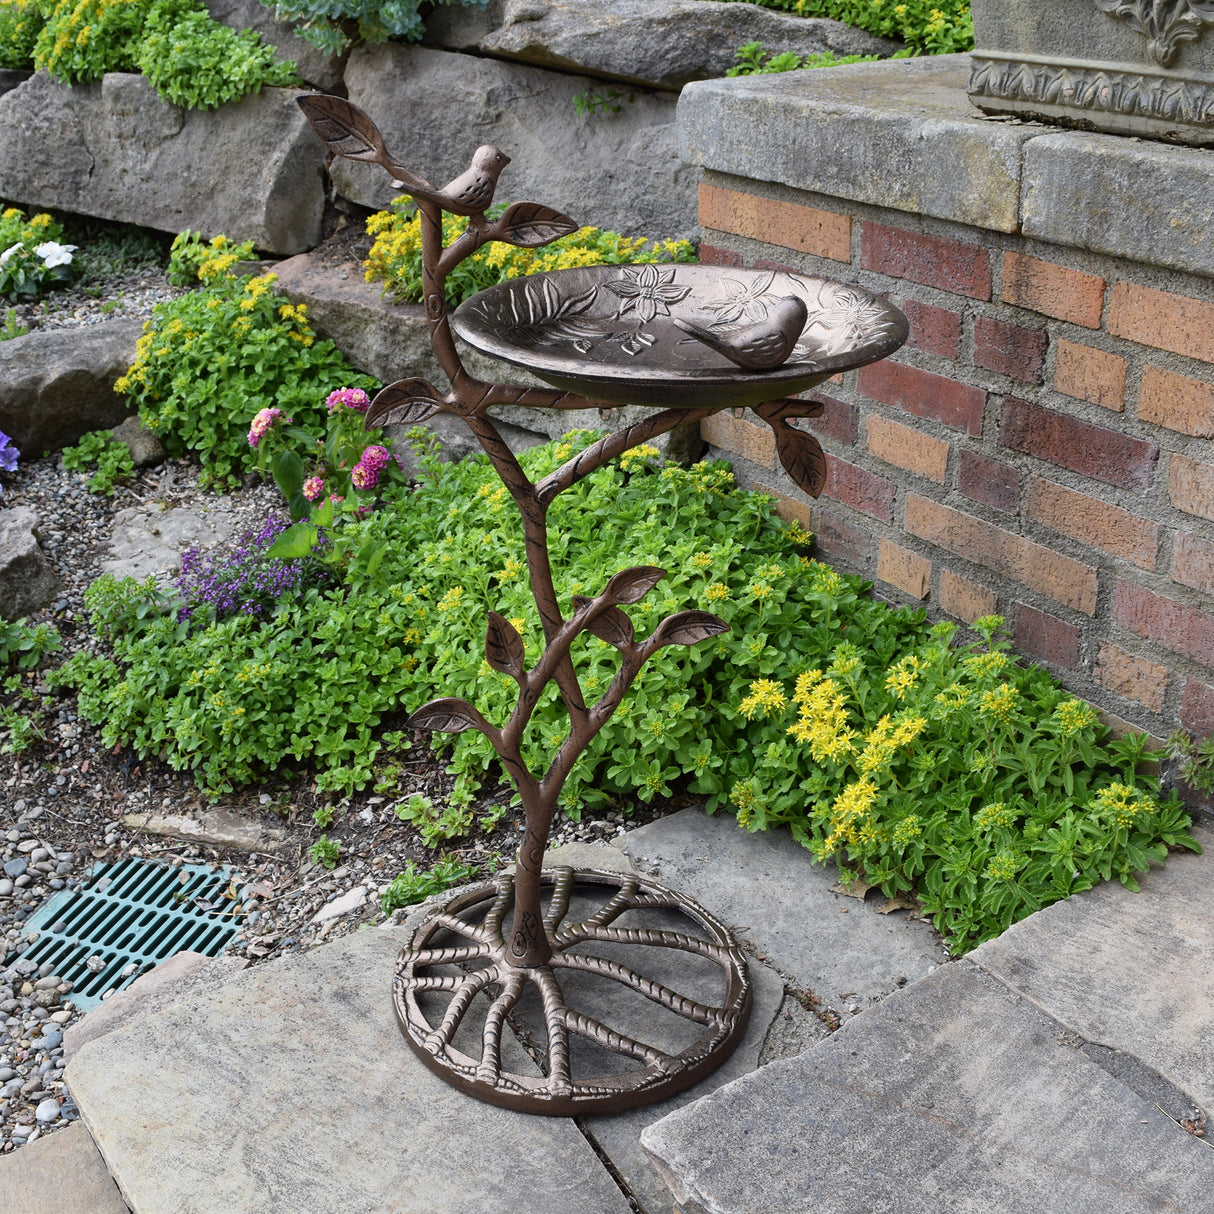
{"x":1131,"y":677}
{"x":1091,"y":521}
{"x":1045,"y":637}
{"x":712,"y":255}
{"x":958,"y":406}
{"x":968,"y":601}
{"x":1197,"y":708}
{"x":1052,"y":290}
{"x":1050,"y":573}
{"x":988,"y":481}
{"x":840,"y":421}
{"x":788,"y":508}
{"x":933,"y":330}
{"x":745,"y":438}
{"x":1091,"y":375}
{"x":935,"y":261}
{"x":1106,"y":455}
{"x":906,"y":448}
{"x":1177,"y":402}
{"x":1191,"y":486}
{"x":1175,"y":626}
{"x":840,"y":539}
{"x":762,"y":263}
{"x":1163,"y":320}
{"x":789,"y":224}
{"x":1010,"y":349}
{"x":1193,"y":562}
{"x":906,"y":570}
{"x":860,"y":489}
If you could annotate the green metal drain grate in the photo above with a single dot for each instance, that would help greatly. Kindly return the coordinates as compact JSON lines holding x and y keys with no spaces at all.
{"x":131,"y":916}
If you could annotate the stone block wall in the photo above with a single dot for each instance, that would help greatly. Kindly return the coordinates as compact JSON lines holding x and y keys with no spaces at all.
{"x":1039,"y":448}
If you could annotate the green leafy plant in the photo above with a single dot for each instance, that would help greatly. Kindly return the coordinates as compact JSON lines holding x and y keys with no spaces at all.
{"x":101,"y":450}
{"x":416,"y":885}
{"x":323,"y":816}
{"x":31,"y":258}
{"x":188,"y":57}
{"x":24,"y":646}
{"x":325,"y":852}
{"x":11,"y":327}
{"x":1194,"y":759}
{"x":211,"y":361}
{"x":752,"y":61}
{"x":604,"y":103}
{"x":193,"y":259}
{"x":395,"y":258}
{"x":934,"y":27}
{"x":333,"y":25}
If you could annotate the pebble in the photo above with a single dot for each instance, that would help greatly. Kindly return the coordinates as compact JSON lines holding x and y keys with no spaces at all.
{"x":6,"y":888}
{"x":48,"y":1110}
{"x":15,"y":868}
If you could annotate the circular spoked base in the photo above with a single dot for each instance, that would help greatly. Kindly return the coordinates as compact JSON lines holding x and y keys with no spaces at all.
{"x":645,"y":994}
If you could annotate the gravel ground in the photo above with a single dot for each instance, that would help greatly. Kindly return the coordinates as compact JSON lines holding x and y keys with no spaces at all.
{"x":62,"y":801}
{"x":129,"y":295}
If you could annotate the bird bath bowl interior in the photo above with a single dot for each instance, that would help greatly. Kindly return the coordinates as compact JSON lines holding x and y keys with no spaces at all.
{"x":610,"y":332}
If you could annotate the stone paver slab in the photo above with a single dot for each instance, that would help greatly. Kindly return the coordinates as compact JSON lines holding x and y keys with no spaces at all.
{"x":64,"y":1173}
{"x":291,"y":1088}
{"x":1134,"y":972}
{"x":954,"y":1096}
{"x":768,"y":889}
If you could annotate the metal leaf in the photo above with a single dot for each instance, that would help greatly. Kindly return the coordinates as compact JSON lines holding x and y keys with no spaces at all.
{"x":447,"y":715}
{"x":530,"y":226}
{"x":503,"y":646}
{"x":408,"y":402}
{"x":688,"y":628}
{"x":632,"y":585}
{"x":789,"y":407}
{"x":610,"y":625}
{"x":343,"y":128}
{"x":802,"y":457}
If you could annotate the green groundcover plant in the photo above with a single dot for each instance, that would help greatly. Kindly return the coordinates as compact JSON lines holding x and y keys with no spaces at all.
{"x":102,"y":451}
{"x":396,"y":255}
{"x":212,"y":361}
{"x":753,"y":61}
{"x":32,"y":259}
{"x":914,"y":764}
{"x":333,"y":25}
{"x":933,"y":27}
{"x":188,"y":57}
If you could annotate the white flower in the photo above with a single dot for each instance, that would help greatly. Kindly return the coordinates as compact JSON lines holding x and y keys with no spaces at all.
{"x":13,"y":248}
{"x":53,"y":254}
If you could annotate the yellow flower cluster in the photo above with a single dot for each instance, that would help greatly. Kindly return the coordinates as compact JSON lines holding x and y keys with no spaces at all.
{"x":1123,"y":804}
{"x":986,"y":665}
{"x":716,"y":592}
{"x":766,"y":697}
{"x":1073,"y":715}
{"x":821,"y":717}
{"x":999,"y":703}
{"x":701,"y":560}
{"x":637,"y":455}
{"x":1003,"y":866}
{"x":883,"y":741}
{"x":451,"y":600}
{"x":995,"y":815}
{"x":902,"y":676}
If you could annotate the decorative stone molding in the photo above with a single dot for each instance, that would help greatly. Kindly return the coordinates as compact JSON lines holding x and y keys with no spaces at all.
{"x":1165,"y":26}
{"x":1133,"y":67}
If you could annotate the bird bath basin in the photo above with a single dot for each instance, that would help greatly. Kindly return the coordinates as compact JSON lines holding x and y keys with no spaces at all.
{"x":611,"y":332}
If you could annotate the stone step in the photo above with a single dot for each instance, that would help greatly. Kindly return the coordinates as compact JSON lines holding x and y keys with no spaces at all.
{"x":961,"y":1094}
{"x":64,"y":1173}
{"x":842,"y":950}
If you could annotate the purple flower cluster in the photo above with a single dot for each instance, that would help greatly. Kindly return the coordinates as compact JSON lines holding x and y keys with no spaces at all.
{"x":366,"y":472}
{"x":352,"y":398}
{"x":8,"y":456}
{"x":244,"y":581}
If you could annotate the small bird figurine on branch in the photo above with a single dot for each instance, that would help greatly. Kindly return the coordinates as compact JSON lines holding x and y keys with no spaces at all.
{"x":347,"y":131}
{"x":762,"y":346}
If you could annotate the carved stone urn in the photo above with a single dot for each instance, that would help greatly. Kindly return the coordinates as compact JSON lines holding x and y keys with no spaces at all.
{"x":1130,"y":67}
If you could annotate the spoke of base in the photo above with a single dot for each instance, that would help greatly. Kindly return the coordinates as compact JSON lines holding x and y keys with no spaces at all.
{"x":689,"y":1009}
{"x":449,"y":956}
{"x":558,"y":906}
{"x":560,"y":1081}
{"x":644,"y":935}
{"x":458,"y":1007}
{"x":490,"y":1068}
{"x":497,"y":912}
{"x":618,"y":1043}
{"x":461,"y":928}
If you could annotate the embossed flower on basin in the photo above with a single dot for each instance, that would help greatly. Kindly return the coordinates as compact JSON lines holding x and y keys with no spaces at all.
{"x":647,"y":291}
{"x":741,"y":300}
{"x":846,"y":317}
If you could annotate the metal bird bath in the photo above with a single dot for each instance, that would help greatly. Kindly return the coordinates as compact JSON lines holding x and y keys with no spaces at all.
{"x":616,"y":991}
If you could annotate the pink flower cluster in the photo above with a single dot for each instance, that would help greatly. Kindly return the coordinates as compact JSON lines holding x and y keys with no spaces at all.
{"x":313,"y":488}
{"x":352,"y":398}
{"x":262,"y":424}
{"x":367,"y":471}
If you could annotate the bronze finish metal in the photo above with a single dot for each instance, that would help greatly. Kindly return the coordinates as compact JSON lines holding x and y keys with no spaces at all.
{"x":607,"y":333}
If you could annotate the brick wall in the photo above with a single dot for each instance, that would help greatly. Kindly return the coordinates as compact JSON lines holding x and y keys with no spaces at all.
{"x":1038,"y":448}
